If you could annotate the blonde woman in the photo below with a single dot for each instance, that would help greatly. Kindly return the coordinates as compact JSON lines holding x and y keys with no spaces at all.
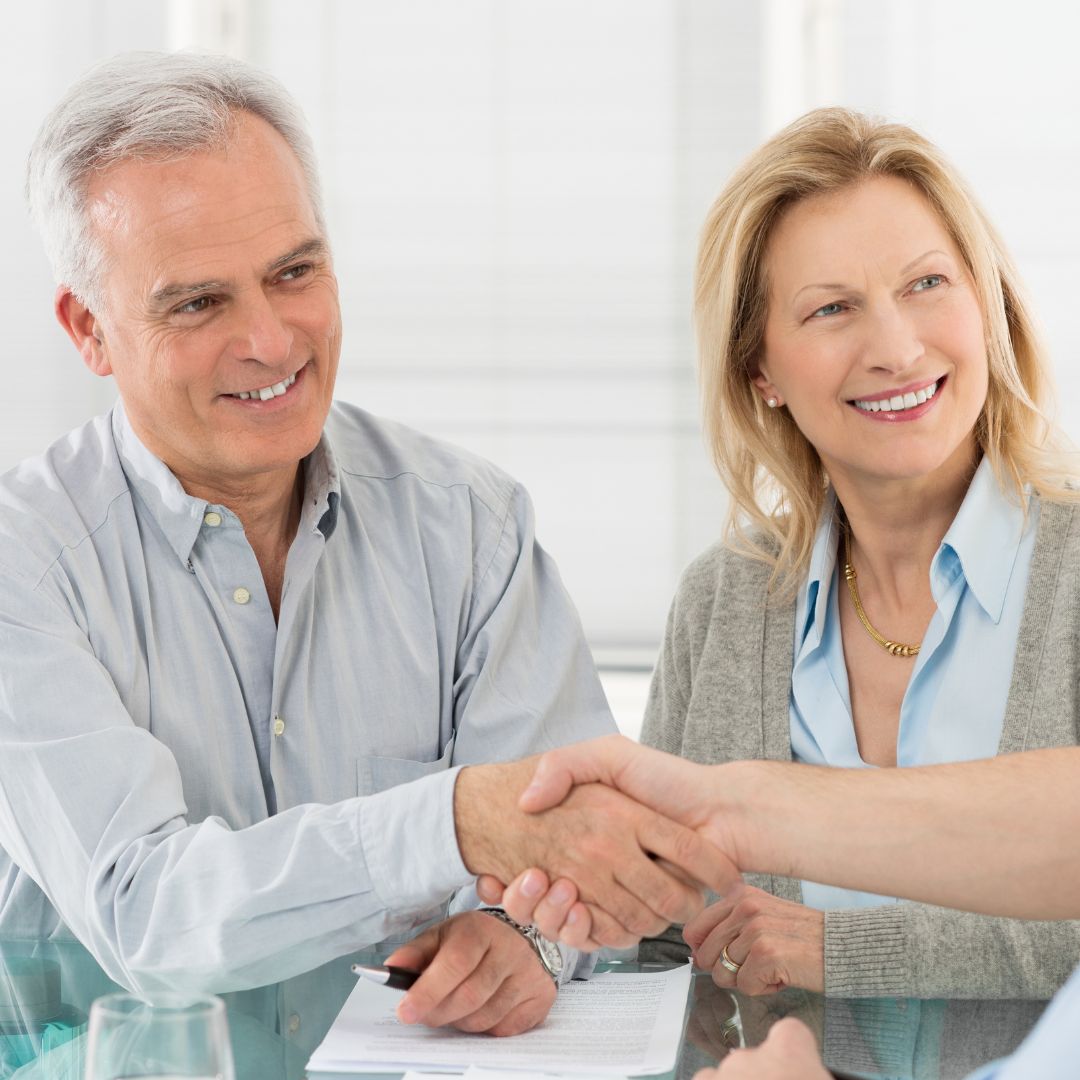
{"x":900,"y":584}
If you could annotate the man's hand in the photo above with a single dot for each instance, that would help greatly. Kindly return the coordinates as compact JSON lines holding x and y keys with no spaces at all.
{"x":680,"y":790}
{"x":774,"y":943}
{"x":788,"y":1053}
{"x":479,"y":975}
{"x":615,"y":851}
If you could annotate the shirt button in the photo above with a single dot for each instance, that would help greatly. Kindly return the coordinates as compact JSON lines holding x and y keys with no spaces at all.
{"x":294,"y":1024}
{"x":212,"y":518}
{"x":241,"y":595}
{"x":279,"y":726}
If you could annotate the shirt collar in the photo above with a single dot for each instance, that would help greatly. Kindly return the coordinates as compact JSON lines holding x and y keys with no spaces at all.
{"x":180,"y":515}
{"x":985,"y":538}
{"x":823,"y":556}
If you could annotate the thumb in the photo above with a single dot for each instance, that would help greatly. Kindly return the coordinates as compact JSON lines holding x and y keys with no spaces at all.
{"x":489,"y":889}
{"x":559,"y":770}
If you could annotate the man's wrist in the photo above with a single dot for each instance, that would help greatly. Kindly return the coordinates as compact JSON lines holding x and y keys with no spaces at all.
{"x":547,"y":952}
{"x":485,"y":802}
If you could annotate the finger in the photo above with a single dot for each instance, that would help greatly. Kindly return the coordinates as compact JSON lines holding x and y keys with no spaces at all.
{"x":455,"y":962}
{"x":606,"y":932}
{"x":415,"y":955}
{"x":523,"y":1017}
{"x":550,"y":914}
{"x":577,"y":930}
{"x":622,"y":898}
{"x":489,"y":889}
{"x":660,"y":899}
{"x":707,"y":955}
{"x":501,"y":1001}
{"x":703,"y":924}
{"x":523,"y":893}
{"x":700,"y":860}
{"x":455,"y":996}
{"x":559,"y":770}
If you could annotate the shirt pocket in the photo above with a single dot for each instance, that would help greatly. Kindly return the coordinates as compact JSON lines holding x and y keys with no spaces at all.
{"x":375,"y":773}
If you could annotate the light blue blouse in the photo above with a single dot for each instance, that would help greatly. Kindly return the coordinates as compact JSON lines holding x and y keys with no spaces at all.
{"x":954,"y":706}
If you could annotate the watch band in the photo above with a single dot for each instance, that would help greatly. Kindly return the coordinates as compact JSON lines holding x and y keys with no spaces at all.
{"x":547,"y":952}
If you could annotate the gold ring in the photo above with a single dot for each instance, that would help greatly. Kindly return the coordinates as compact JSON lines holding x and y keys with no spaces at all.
{"x":727,"y":962}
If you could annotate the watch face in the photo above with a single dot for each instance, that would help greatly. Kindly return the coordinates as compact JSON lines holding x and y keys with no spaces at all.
{"x":549,"y":954}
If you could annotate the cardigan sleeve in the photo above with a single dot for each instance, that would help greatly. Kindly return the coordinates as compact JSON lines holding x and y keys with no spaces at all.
{"x":917,"y":950}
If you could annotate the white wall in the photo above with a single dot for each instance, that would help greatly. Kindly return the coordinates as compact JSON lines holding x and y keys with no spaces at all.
{"x":514,"y":191}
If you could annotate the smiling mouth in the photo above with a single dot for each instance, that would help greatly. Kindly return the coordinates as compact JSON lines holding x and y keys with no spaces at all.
{"x":899,"y":402}
{"x":274,"y":390}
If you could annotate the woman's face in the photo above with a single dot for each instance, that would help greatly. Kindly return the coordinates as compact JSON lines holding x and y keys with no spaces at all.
{"x":874,"y":336}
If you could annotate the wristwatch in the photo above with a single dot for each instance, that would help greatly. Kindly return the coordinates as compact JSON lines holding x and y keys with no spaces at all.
{"x":547,"y":951}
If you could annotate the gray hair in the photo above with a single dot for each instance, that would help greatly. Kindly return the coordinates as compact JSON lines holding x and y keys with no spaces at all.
{"x":143,"y":104}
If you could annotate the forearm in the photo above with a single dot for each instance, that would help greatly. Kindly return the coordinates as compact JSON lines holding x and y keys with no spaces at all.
{"x":987,"y":836}
{"x":162,"y":902}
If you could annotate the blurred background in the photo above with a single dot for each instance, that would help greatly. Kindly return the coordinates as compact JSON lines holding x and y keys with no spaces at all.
{"x":514,"y":190}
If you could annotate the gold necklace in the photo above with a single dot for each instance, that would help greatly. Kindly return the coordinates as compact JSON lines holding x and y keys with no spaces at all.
{"x":893,"y":648}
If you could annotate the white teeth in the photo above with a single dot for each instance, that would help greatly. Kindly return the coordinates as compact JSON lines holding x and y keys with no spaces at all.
{"x":899,"y":402}
{"x":267,"y":392}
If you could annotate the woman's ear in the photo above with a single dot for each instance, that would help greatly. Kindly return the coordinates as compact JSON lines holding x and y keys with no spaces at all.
{"x":769,"y":394}
{"x":81,"y":325}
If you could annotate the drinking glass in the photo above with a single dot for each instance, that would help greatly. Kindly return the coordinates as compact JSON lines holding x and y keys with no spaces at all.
{"x":173,"y":1037}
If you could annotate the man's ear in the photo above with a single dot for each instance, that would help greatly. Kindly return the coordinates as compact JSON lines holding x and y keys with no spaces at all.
{"x":82,"y":327}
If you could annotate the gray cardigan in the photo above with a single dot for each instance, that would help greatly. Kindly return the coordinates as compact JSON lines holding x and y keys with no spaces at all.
{"x":721,"y":693}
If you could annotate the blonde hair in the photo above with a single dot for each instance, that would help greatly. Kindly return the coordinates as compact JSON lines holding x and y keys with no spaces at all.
{"x":775,"y":478}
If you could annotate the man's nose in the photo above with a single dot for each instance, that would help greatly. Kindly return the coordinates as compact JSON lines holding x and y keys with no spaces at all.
{"x":260,"y":332}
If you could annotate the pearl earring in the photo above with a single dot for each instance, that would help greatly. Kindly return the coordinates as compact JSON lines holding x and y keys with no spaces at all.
{"x":772,"y":403}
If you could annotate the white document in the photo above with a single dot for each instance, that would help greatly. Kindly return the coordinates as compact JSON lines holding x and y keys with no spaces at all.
{"x":614,"y":1024}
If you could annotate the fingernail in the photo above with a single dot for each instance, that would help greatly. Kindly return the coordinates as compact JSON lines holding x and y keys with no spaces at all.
{"x":574,"y":917}
{"x":406,"y":1013}
{"x":531,"y":885}
{"x":561,"y":894}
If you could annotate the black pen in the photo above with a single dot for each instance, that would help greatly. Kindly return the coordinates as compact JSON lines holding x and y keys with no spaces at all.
{"x":394,"y":978}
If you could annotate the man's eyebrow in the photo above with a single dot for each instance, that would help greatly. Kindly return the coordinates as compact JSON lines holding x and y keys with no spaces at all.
{"x":315,"y":248}
{"x":169,"y":294}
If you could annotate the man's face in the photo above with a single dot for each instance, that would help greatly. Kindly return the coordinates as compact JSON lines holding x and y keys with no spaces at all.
{"x":219,"y":283}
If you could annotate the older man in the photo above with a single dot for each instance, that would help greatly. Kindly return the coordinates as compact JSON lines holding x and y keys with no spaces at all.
{"x":236,"y":621}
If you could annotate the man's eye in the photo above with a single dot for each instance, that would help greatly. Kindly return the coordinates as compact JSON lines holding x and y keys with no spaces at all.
{"x":931,"y":281}
{"x":295,"y":272}
{"x":194,"y":307}
{"x":826,"y":310}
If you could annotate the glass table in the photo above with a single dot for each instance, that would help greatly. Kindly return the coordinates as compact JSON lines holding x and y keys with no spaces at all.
{"x":46,"y":989}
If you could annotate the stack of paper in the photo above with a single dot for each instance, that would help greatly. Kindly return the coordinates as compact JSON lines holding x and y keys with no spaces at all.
{"x":612,"y":1025}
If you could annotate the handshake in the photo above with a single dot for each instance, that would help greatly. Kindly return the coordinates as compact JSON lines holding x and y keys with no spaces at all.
{"x":604,"y":842}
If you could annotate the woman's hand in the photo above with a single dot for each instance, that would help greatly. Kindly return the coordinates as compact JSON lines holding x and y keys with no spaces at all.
{"x":774,"y":943}
{"x":789,"y":1053}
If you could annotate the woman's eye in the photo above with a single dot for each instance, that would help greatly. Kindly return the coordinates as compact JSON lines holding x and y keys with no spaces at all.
{"x":931,"y":281}
{"x":827,"y":309}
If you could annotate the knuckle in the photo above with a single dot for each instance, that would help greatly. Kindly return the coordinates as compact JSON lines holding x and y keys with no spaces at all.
{"x":471,"y":996}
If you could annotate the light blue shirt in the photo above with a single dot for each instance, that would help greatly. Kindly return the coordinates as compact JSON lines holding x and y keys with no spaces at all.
{"x":209,"y":799}
{"x":954,"y":706}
